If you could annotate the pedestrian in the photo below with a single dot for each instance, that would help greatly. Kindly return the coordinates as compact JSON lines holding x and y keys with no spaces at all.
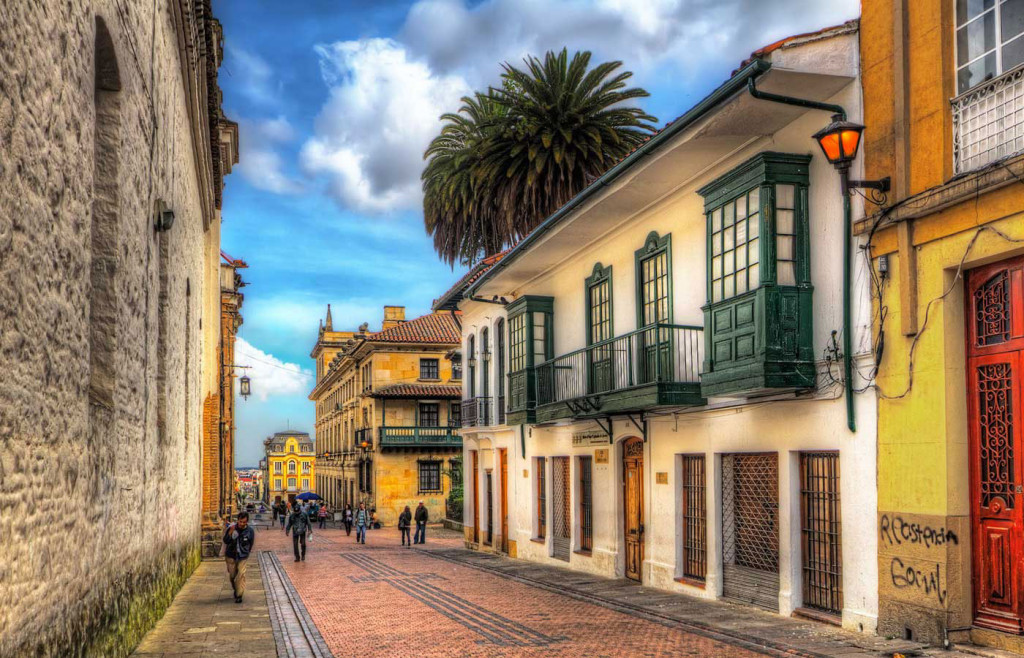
{"x":275,"y":514}
{"x":374,"y":523}
{"x":322,"y":515}
{"x":298,"y":523}
{"x":239,"y":538}
{"x":404,"y":521}
{"x":421,"y":524}
{"x":362,"y":520}
{"x":282,"y":513}
{"x":347,"y":518}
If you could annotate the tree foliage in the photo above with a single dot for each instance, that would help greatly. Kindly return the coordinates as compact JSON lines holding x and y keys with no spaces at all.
{"x":509,"y":157}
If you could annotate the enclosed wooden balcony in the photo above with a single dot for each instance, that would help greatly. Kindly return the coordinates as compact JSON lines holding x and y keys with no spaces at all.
{"x":419,"y":436}
{"x":476,"y":412}
{"x":653,"y":367}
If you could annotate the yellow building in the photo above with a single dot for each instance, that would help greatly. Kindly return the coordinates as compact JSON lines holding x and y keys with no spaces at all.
{"x":290,"y":465}
{"x":387,"y":413}
{"x":943,"y":93}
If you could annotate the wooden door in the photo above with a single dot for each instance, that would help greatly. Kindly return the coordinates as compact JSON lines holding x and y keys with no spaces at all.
{"x":476,"y":495}
{"x":561,"y":523}
{"x":995,"y":354}
{"x":503,"y":460}
{"x":633,"y":505}
{"x":489,"y":482}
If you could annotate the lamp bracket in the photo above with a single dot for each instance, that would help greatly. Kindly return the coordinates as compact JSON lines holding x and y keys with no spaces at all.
{"x":882,"y":184}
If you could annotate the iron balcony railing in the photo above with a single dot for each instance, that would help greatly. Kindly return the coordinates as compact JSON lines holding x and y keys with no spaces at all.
{"x":419,"y":436}
{"x":988,"y":122}
{"x":501,"y":410}
{"x":476,"y":412}
{"x":663,"y":353}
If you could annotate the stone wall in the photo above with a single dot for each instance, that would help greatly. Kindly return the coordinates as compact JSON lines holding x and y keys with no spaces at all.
{"x":101,"y":353}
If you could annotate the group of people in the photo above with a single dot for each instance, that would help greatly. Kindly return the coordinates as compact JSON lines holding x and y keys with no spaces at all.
{"x":239,"y":536}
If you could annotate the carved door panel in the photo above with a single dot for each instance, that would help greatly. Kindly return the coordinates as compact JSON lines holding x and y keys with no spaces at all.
{"x":633,"y":505}
{"x":995,"y":322}
{"x":503,"y":456}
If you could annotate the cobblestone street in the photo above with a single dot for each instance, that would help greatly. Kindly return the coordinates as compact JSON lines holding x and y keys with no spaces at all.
{"x":382,"y":599}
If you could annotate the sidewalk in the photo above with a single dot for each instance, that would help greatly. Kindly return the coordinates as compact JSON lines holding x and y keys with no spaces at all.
{"x":205,"y":620}
{"x":712,"y":618}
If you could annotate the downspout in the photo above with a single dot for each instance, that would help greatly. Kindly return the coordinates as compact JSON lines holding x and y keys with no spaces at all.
{"x":851,"y":419}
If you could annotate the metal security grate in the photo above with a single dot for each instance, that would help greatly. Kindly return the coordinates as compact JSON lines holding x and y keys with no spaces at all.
{"x":695,"y":557}
{"x":586,"y":504}
{"x":750,"y":528}
{"x":561,"y":529}
{"x":821,"y":531}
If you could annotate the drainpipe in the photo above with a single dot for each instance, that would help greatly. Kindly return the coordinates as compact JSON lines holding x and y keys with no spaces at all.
{"x":851,"y":420}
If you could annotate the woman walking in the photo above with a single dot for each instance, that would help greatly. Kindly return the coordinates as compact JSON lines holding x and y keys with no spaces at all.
{"x":362,"y":522}
{"x":321,"y":515}
{"x":347,"y":518}
{"x":404,"y":521}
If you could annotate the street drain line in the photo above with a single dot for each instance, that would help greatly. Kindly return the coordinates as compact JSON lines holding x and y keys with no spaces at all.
{"x":772,"y":648}
{"x":296,"y":634}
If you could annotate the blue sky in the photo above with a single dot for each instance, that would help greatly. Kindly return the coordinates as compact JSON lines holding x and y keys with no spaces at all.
{"x":336,"y":101}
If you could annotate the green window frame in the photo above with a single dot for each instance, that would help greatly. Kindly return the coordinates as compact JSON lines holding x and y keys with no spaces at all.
{"x":517,"y":342}
{"x":599,"y":304}
{"x":654,"y":281}
{"x":735,"y":230}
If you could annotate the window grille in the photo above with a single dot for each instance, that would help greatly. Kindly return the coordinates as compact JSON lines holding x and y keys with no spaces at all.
{"x":429,"y":414}
{"x":430,"y":476}
{"x":586,"y":504}
{"x":695,"y":556}
{"x":542,"y":498}
{"x":429,"y":369}
{"x":821,"y":531}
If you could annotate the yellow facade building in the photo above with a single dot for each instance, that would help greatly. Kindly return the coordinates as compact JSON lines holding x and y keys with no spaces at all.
{"x":387,"y":413}
{"x":943,"y":93}
{"x":290,"y":466}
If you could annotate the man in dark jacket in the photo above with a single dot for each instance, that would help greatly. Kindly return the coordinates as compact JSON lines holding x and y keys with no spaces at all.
{"x":421,"y":524}
{"x":298,"y":523}
{"x":238,"y":540}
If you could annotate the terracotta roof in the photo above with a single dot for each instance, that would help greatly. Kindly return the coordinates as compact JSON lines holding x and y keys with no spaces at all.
{"x":825,"y":32}
{"x":452,"y":391}
{"x":443,"y":328}
{"x":453,"y":295}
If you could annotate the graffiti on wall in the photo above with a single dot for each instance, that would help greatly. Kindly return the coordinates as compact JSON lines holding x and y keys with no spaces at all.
{"x":904,"y":540}
{"x":896,"y":531}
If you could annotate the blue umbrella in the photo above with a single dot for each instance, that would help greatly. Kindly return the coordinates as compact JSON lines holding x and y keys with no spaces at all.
{"x":309,"y":495}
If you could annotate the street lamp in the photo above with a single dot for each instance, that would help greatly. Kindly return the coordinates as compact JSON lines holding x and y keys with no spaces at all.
{"x":244,"y":386}
{"x":839,"y":142}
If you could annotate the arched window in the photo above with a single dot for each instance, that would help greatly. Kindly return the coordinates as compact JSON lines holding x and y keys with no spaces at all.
{"x":499,"y":349}
{"x":485,"y":367}
{"x":105,"y":211}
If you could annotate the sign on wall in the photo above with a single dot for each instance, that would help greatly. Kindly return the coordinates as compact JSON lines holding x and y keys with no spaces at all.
{"x":589,"y":438}
{"x":601,"y":456}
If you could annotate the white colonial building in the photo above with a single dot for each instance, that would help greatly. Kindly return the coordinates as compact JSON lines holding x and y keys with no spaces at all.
{"x":654,"y":386}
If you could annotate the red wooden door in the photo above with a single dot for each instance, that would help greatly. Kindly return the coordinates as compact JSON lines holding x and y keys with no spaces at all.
{"x":995,"y":353}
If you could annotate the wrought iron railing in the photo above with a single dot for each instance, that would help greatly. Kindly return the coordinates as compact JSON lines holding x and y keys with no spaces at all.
{"x":418,"y":436}
{"x":476,"y":412}
{"x":988,"y":122}
{"x":658,"y":354}
{"x":500,"y":410}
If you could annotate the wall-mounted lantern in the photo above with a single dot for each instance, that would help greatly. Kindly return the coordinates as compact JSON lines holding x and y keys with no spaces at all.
{"x":245,"y":387}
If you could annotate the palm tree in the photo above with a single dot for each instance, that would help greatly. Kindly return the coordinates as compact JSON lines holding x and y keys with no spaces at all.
{"x":510,"y":157}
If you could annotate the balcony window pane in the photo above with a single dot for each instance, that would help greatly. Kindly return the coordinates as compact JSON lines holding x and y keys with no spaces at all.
{"x":730,"y":239}
{"x":1013,"y":53}
{"x":784,"y":196}
{"x":716,"y":220}
{"x":976,"y":38}
{"x":1011,"y":21}
{"x":785,"y":247}
{"x":741,"y":258}
{"x":716,"y":243}
{"x":754,"y":200}
{"x":741,"y":282}
{"x":716,"y":267}
{"x":741,"y":232}
{"x":728,"y":285}
{"x":728,"y":266}
{"x":754,"y":251}
{"x":729,"y":215}
{"x":716,"y":291}
{"x":787,"y":273}
{"x":784,"y":222}
{"x":968,"y":9}
{"x":976,"y":72}
{"x":754,"y":274}
{"x":741,"y":207}
{"x":753,"y":226}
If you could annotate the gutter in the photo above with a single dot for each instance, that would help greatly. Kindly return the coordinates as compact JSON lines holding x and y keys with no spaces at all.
{"x":735,"y":84}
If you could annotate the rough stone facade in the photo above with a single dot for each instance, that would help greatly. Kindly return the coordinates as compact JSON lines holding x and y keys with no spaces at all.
{"x":109,"y":112}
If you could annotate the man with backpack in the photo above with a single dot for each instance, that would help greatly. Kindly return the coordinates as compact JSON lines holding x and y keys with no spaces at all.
{"x":238,"y":540}
{"x":298,"y":523}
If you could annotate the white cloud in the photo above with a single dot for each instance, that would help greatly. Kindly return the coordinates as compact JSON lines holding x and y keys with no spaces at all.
{"x":386,"y":95}
{"x":255,"y":75}
{"x":271,"y":376}
{"x":382,"y":113}
{"x":259,"y":159}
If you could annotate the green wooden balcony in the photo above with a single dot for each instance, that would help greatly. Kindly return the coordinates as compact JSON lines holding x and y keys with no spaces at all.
{"x":658,"y":366}
{"x":417,"y":436}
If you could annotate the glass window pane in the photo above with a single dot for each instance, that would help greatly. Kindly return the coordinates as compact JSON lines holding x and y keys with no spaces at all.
{"x":1013,"y":53}
{"x":741,"y":232}
{"x":741,"y":207}
{"x":784,"y":222}
{"x":741,"y":283}
{"x":753,"y":251}
{"x":753,"y":226}
{"x":976,"y":73}
{"x":727,"y":266}
{"x":716,"y":267}
{"x":784,"y":196}
{"x":784,"y":247}
{"x":787,"y":273}
{"x":1011,"y":22}
{"x":968,"y":9}
{"x":754,"y":274}
{"x":729,"y":214}
{"x":754,"y":200}
{"x":976,"y":38}
{"x":716,"y":243}
{"x":730,"y":239}
{"x":741,"y":258}
{"x":728,"y":283}
{"x":716,"y":291}
{"x":716,"y":220}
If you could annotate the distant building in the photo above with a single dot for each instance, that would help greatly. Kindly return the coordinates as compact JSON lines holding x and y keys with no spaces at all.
{"x":290,"y":465}
{"x":387,"y":412}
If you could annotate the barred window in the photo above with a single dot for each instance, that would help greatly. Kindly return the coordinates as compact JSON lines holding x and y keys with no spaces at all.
{"x":542,"y":498}
{"x":694,"y":518}
{"x":429,"y":369}
{"x":429,"y":414}
{"x":430,"y":476}
{"x":586,"y":504}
